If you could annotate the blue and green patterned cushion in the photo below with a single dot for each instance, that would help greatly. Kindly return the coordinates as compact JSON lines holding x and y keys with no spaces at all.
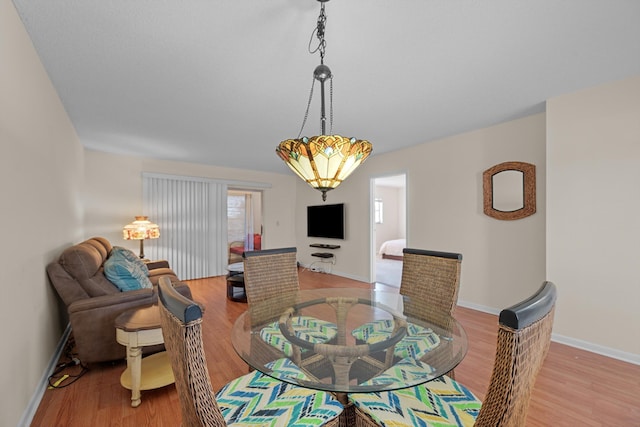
{"x":441,"y":402}
{"x":244,"y":395}
{"x":126,"y":271}
{"x":406,"y":370}
{"x":306,"y":328}
{"x":373,"y":329}
{"x":285,"y":368}
{"x":415,"y":344}
{"x":295,"y":407}
{"x":259,"y":400}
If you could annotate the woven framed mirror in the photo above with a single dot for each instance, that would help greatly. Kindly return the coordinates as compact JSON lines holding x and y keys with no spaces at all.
{"x":509,"y":190}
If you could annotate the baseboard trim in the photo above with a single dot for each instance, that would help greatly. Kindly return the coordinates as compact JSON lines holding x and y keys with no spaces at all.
{"x":34,"y":402}
{"x":478,"y":307}
{"x":597,"y":348}
{"x":336,"y":273}
{"x":350,"y":276}
{"x":571,"y":342}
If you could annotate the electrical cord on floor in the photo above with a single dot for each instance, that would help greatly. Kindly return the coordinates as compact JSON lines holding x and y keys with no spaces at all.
{"x":321,"y":266}
{"x":58,"y":379}
{"x":313,"y":267}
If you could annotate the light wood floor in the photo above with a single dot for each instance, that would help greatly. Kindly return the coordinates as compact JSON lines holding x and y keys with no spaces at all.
{"x":574,"y":388}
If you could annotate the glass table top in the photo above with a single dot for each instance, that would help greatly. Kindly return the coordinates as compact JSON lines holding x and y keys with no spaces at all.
{"x":348,"y":340}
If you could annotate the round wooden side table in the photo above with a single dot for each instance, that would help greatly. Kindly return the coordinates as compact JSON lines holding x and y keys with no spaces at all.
{"x":137,"y":328}
{"x":235,"y":283}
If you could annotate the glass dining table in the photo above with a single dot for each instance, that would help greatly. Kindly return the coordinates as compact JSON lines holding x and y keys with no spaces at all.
{"x":347,"y":340}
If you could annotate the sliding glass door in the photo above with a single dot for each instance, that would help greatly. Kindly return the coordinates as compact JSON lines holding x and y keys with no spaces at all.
{"x":244,"y":223}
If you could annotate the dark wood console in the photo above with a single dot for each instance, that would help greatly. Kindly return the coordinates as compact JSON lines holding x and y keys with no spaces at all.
{"x":323,"y":246}
{"x":322,"y":254}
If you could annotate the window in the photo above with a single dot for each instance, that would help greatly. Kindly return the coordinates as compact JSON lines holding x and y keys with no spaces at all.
{"x":378,"y":209}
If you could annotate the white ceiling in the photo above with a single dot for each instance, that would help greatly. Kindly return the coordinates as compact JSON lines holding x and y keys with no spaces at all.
{"x":222,"y":82}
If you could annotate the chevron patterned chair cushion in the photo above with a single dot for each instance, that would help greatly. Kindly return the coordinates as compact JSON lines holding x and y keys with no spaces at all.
{"x":285,"y":367}
{"x":406,"y":370}
{"x":259,"y":400}
{"x":415,"y":344}
{"x":307,"y":328}
{"x":443,"y":403}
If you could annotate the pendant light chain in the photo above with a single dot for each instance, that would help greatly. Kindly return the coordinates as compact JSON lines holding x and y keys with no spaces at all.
{"x":306,"y":113}
{"x":322,"y":45}
{"x":319,"y":32}
{"x":323,"y":161}
{"x":331,"y":105}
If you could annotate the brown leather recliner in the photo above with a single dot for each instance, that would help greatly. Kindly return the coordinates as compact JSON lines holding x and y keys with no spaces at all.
{"x":93,"y":302}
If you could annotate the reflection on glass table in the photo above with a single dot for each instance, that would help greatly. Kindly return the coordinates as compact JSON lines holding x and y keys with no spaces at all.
{"x":280,"y":337}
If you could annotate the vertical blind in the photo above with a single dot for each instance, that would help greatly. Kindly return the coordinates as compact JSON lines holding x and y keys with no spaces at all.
{"x":192,"y":216}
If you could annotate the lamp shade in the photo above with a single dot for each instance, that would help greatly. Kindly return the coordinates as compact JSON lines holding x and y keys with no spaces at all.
{"x":141,"y":229}
{"x":324,"y":161}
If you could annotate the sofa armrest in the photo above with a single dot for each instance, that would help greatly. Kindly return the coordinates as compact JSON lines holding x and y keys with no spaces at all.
{"x":124,"y":299}
{"x":93,"y":323}
{"x":161,"y":263}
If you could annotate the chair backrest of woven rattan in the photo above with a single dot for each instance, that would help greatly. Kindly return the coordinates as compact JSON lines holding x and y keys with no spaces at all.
{"x":183,"y":342}
{"x":431,"y":280}
{"x":269,"y":274}
{"x":520,"y":353}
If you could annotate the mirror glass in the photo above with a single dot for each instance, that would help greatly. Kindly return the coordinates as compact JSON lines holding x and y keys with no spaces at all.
{"x":508,"y":194}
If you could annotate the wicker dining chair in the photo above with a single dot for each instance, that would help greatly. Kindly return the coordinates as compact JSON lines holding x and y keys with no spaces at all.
{"x":253,"y":399}
{"x":269,"y":273}
{"x":524,"y":335}
{"x":271,"y":282}
{"x":431,"y":280}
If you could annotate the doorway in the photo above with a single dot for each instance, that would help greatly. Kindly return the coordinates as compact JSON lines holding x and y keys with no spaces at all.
{"x":244,"y":223}
{"x":389,"y":228}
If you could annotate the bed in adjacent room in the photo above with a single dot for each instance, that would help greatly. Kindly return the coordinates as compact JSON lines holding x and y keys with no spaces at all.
{"x":392,"y":249}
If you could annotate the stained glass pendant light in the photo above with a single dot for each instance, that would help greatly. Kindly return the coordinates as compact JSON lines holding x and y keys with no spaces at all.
{"x":323,"y":161}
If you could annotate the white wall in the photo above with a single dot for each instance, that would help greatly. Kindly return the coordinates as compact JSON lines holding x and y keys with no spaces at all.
{"x":593,"y":219}
{"x":503,"y":261}
{"x":352,"y":259}
{"x":40,"y":177}
{"x":114,"y":195}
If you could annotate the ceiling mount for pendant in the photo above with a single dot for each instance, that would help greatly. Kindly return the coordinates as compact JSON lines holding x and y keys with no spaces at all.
{"x":323,"y":161}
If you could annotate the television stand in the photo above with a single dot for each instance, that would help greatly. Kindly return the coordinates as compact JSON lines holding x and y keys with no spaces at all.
{"x":323,"y":246}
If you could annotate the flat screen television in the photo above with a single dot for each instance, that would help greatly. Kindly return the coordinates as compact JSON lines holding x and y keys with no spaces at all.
{"x":326,"y":221}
